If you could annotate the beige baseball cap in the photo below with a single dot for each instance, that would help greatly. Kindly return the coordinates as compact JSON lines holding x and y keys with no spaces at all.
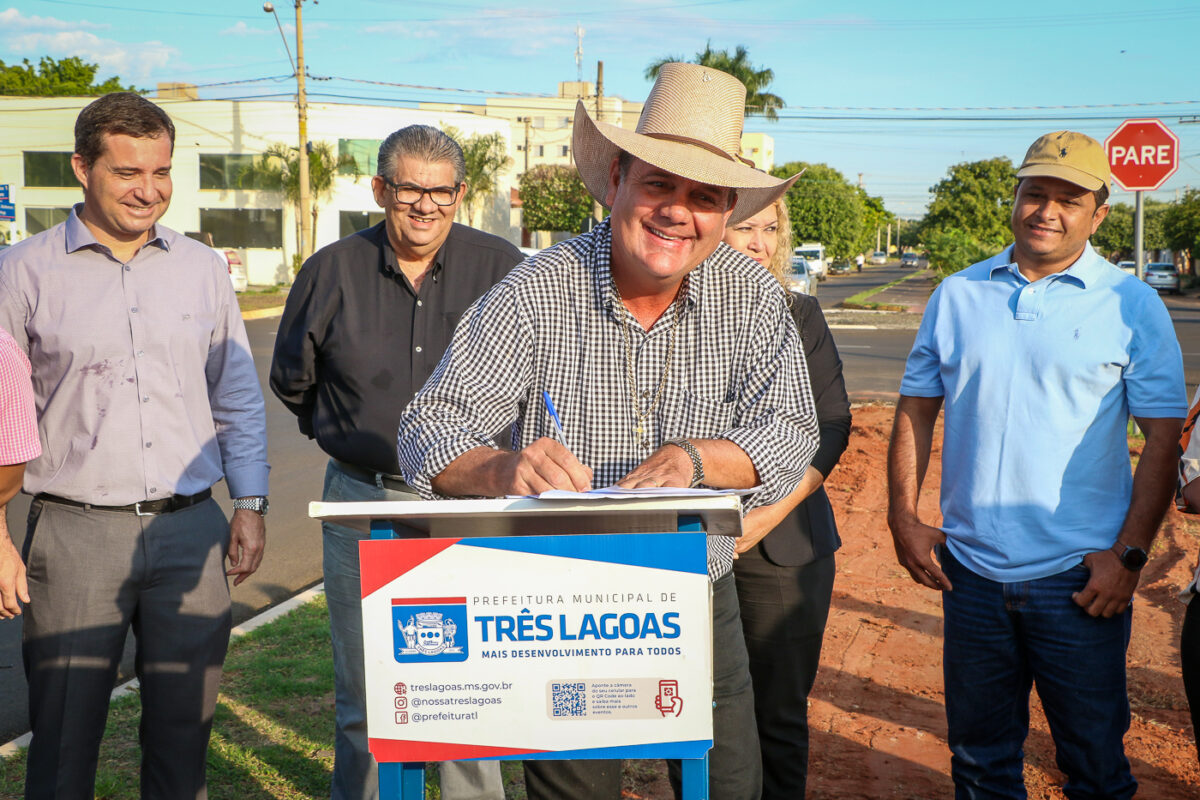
{"x":1073,"y":157}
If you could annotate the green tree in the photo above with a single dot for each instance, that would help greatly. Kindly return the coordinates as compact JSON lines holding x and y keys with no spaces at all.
{"x":553,"y":198}
{"x":971,"y":214}
{"x":278,"y":170}
{"x":975,"y":197}
{"x":875,"y":216}
{"x":1181,"y":224}
{"x":825,"y":208}
{"x":51,"y":78}
{"x":758,"y":99}
{"x":1114,"y":238}
{"x":486,"y":156}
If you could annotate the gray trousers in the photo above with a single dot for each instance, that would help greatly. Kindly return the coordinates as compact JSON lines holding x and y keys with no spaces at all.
{"x":92,"y":575}
{"x":355,"y":773}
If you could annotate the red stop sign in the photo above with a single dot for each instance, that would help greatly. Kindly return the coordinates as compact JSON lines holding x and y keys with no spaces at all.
{"x":1142,"y":154}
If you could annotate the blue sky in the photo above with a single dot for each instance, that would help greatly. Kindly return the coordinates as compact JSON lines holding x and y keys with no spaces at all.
{"x":896,"y":91}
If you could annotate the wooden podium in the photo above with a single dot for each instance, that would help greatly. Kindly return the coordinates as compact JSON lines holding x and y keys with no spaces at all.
{"x":518,"y":629}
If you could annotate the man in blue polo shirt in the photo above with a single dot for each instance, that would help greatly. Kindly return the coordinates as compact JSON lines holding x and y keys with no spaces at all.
{"x":1040,"y":355}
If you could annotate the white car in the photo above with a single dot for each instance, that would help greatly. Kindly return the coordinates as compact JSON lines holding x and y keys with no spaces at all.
{"x":814,"y":254}
{"x":802,"y":279}
{"x":233,"y":261}
{"x":879,"y":257}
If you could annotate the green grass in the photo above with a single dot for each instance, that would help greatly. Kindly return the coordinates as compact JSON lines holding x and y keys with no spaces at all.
{"x":272,"y":735}
{"x":258,"y":297}
{"x":860,"y":300}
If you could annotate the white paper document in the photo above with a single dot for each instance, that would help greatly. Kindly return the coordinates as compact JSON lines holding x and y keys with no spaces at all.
{"x":618,"y":493}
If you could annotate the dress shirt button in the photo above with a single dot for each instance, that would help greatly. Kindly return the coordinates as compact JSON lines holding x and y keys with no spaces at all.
{"x":141,"y":353}
{"x":149,"y":444}
{"x":127,"y":268}
{"x":420,"y":303}
{"x":417,"y":348}
{"x":153,"y":488}
{"x":133,"y":310}
{"x":145,"y":399}
{"x":645,"y":393}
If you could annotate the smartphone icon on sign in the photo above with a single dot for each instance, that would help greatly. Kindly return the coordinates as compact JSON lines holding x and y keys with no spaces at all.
{"x":668,"y":700}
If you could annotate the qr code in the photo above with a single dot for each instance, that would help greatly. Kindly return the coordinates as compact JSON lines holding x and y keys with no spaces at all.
{"x":568,"y":699}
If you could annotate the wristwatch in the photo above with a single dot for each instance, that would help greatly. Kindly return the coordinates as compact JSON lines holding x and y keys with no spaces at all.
{"x":1132,"y":558}
{"x":694,"y":455}
{"x":259,"y":504}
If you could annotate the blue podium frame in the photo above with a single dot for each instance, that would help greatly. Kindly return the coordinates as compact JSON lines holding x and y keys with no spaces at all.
{"x":406,"y":780}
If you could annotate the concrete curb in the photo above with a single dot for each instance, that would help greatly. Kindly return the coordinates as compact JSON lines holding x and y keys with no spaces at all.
{"x":263,"y":313}
{"x":273,"y":613}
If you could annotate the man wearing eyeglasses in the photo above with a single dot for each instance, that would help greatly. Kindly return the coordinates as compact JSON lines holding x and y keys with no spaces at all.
{"x":365,"y":325}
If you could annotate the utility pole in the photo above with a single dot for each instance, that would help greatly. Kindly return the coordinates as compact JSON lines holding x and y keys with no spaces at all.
{"x":305,"y":244}
{"x":526,"y":121}
{"x":306,"y":221}
{"x":597,"y":209}
{"x":888,"y":249}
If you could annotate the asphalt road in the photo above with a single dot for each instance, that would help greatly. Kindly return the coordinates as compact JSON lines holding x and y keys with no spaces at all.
{"x":874,"y":362}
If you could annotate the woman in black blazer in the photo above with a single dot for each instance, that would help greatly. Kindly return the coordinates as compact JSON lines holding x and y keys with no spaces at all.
{"x":785,"y":564}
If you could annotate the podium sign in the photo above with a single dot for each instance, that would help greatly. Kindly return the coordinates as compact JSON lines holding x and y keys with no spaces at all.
{"x":594,"y":646}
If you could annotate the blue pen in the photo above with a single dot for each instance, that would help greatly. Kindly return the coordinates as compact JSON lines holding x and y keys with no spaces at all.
{"x":562,"y":437}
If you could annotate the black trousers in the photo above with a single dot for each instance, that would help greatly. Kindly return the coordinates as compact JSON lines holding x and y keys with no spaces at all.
{"x":784,"y":610}
{"x":734,"y":771}
{"x":1189,"y":653}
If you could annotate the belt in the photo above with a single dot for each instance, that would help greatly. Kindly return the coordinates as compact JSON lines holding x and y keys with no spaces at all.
{"x":380,"y":480}
{"x":145,"y":508}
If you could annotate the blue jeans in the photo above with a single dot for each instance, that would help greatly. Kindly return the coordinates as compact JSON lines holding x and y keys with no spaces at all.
{"x":355,"y":775}
{"x":1001,"y":638}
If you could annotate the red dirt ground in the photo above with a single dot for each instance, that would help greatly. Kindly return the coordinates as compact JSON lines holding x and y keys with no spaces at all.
{"x":876,"y":712}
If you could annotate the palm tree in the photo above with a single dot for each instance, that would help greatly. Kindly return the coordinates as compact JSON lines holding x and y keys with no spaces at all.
{"x":278,"y":170}
{"x":758,"y":100}
{"x":486,"y":156}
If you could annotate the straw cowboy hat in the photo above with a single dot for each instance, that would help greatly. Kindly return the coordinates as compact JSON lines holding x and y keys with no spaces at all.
{"x":691,"y":125}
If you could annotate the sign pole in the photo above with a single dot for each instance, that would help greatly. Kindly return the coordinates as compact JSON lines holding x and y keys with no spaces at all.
{"x":1139,"y":257}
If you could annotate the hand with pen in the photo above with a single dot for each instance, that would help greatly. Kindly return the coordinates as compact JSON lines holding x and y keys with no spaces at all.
{"x":544,"y":464}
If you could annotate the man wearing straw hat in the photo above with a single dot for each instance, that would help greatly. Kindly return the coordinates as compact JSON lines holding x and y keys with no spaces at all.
{"x":672,"y":360}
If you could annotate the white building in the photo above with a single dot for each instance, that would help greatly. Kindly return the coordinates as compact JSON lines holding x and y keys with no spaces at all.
{"x":214,"y":139}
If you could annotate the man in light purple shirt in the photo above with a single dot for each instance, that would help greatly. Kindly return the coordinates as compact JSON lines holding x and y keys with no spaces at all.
{"x":146,"y":396}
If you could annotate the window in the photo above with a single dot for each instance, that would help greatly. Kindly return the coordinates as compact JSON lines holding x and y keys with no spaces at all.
{"x":43,"y":219}
{"x":49,"y":169}
{"x":354,"y":221}
{"x":538,"y":122}
{"x":223,"y":171}
{"x":538,"y":149}
{"x":243,"y":227}
{"x":365,"y":153}
{"x":565,"y":150}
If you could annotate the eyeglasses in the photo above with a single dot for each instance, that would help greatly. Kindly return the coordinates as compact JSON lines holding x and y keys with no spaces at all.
{"x":408,"y":194}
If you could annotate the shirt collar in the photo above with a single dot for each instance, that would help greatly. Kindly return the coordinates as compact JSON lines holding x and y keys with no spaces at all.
{"x":390,"y":264}
{"x":80,"y":236}
{"x":1084,"y":270}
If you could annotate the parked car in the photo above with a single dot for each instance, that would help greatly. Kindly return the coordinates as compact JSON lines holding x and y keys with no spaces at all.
{"x":802,"y":279}
{"x":814,"y":254}
{"x":1127,"y":266}
{"x":1163,"y":277}
{"x":841,"y":267}
{"x":233,"y":262}
{"x":879,"y":257}
{"x":910,"y":260}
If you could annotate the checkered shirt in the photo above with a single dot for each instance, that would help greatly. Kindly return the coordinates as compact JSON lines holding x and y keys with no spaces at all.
{"x":554,"y":324}
{"x":18,"y":418}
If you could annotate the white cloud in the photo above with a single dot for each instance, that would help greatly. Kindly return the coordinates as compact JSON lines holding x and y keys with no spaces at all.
{"x":240,"y":28}
{"x":11,"y":19}
{"x":132,"y":61}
